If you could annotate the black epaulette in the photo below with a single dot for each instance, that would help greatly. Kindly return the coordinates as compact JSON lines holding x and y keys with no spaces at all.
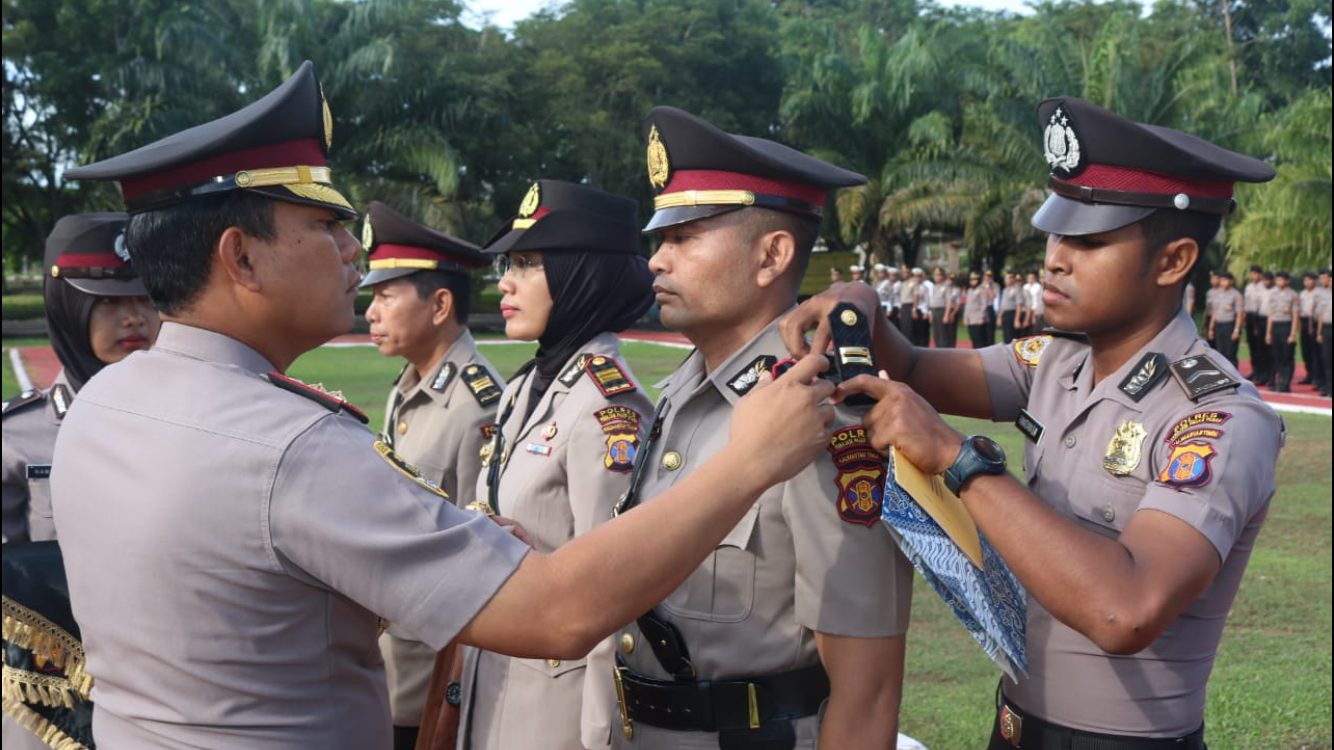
{"x":331,"y":401}
{"x":481,"y":384}
{"x":574,"y":371}
{"x":17,"y":404}
{"x":1199,"y":376}
{"x":608,"y":376}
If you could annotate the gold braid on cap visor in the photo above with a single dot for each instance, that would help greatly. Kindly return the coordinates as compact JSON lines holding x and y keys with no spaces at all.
{"x":310,"y":183}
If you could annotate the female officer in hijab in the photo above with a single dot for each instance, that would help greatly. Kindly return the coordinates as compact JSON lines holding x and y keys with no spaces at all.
{"x":97,"y":313}
{"x":569,"y":425}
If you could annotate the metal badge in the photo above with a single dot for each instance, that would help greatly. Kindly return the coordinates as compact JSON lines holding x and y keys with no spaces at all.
{"x":1151,"y":369}
{"x":1125,"y":449}
{"x":549,"y":431}
{"x":848,"y":317}
{"x":1060,"y":145}
{"x":531,"y":200}
{"x":659,"y":167}
{"x":367,"y":233}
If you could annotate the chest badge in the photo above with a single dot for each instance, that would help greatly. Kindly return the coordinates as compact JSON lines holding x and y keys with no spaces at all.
{"x":1125,"y":449}
{"x":549,"y":431}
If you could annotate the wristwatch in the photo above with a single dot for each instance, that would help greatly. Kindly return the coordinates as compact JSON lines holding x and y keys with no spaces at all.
{"x":977,"y":455}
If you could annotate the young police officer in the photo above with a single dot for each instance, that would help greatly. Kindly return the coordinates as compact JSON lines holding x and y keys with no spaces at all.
{"x":231,"y":535}
{"x":1150,"y":461}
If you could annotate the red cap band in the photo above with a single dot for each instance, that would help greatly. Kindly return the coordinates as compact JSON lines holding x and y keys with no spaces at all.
{"x":707,"y":179}
{"x":1106,"y":177}
{"x":306,"y":151}
{"x":90,"y":260}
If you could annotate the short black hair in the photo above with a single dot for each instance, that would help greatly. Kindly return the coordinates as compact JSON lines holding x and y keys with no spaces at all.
{"x":1168,"y":225}
{"x":804,"y":231}
{"x":172,"y":247}
{"x":1255,"y":268}
{"x":459,"y":286}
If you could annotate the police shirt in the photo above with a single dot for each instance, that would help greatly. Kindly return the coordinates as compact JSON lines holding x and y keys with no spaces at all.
{"x":31,"y":420}
{"x":1102,"y":457}
{"x":229,"y":545}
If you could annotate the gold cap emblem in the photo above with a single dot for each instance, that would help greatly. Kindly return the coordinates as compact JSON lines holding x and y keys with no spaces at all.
{"x":367,"y":233}
{"x":531,"y":201}
{"x":328,"y":120}
{"x":659,"y":168}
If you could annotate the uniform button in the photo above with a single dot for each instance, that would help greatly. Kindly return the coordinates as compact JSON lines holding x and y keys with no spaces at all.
{"x":1108,"y":514}
{"x":1069,"y":441}
{"x":627,"y":643}
{"x":402,"y":427}
{"x":553,"y":663}
{"x":671,"y":460}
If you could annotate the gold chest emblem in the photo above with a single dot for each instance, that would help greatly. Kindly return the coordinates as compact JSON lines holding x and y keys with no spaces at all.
{"x":1125,"y":449}
{"x":659,"y":168}
{"x":531,"y":201}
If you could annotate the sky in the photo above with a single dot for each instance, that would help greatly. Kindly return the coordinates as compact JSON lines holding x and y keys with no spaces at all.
{"x":504,"y":13}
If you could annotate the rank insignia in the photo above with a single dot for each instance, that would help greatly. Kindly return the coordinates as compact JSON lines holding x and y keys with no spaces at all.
{"x":331,"y":400}
{"x":483,"y":388}
{"x":1029,"y":350}
{"x":1060,"y":145}
{"x":608,"y":376}
{"x":407,"y":469}
{"x":659,"y":167}
{"x":1151,"y":369}
{"x":861,"y":475}
{"x":574,"y":371}
{"x":621,"y":426}
{"x":444,"y":377}
{"x":1125,"y":449}
{"x":1200,"y":425}
{"x":1188,"y":466}
{"x":1198,"y":376}
{"x":743,"y":381}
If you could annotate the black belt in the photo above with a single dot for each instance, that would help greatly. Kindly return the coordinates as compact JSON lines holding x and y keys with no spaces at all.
{"x":721,"y":705}
{"x":1027,"y":732}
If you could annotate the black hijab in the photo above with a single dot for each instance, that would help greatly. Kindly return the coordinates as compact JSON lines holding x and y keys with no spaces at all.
{"x":68,"y":312}
{"x":591,"y":293}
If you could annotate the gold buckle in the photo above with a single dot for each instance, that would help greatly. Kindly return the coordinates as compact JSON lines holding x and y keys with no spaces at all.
{"x":1011,"y":726}
{"x":627,"y":726}
{"x":753,"y":704}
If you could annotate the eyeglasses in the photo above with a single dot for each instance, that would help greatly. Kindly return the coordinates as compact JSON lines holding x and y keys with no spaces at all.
{"x":518,"y":265}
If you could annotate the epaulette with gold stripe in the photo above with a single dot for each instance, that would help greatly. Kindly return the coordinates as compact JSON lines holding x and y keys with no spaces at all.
{"x":608,"y":376}
{"x":331,"y":400}
{"x":480,"y":383}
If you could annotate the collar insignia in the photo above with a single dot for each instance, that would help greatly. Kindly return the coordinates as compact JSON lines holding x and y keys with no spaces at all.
{"x":1151,"y":370}
{"x":574,"y":371}
{"x":743,"y":381}
{"x":444,"y":377}
{"x":1060,"y":144}
{"x":1198,"y":376}
{"x":659,"y":167}
{"x":60,"y":399}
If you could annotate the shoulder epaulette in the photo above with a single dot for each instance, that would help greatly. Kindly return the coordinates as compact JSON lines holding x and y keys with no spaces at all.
{"x":608,"y":376}
{"x":334,"y":402}
{"x":16,"y":404}
{"x":1199,"y":376}
{"x":481,"y":384}
{"x":575,"y":370}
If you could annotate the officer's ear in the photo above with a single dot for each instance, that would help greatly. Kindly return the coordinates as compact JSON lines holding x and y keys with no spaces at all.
{"x":1175,"y":261}
{"x":777,"y":251}
{"x":235,"y":254}
{"x":442,"y":306}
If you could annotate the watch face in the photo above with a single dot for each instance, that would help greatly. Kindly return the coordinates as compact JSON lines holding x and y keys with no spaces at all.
{"x":988,"y":449}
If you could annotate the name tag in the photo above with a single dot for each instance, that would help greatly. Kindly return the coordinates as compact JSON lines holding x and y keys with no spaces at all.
{"x":39,"y":471}
{"x":1031,"y":428}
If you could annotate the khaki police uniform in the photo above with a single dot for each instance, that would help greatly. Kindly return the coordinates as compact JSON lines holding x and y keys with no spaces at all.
{"x":230,"y":542}
{"x":807,"y":557}
{"x":1257,"y":322}
{"x":562,"y":470}
{"x":1224,"y":306}
{"x":438,"y":425}
{"x":31,"y":420}
{"x":1279,"y":304}
{"x":1103,"y":455}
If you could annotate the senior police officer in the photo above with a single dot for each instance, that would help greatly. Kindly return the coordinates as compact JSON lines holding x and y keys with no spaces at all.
{"x":231,"y":534}
{"x":435,"y":418}
{"x":805,"y":602}
{"x":1150,"y":460}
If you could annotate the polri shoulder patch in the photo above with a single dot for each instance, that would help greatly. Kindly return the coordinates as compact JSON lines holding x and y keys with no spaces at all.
{"x":481,"y":384}
{"x":861,"y":475}
{"x":19,"y":402}
{"x":1199,"y":376}
{"x":1150,"y":371}
{"x":608,"y":376}
{"x":331,"y":400}
{"x":1029,"y":350}
{"x":743,"y":380}
{"x":574,"y":371}
{"x":444,"y":377}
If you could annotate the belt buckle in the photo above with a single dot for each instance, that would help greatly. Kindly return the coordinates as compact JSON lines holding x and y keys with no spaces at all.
{"x":1011,"y":726}
{"x":627,"y":726}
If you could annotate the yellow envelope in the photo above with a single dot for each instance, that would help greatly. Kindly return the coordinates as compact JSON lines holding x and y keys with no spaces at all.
{"x":942,"y":505}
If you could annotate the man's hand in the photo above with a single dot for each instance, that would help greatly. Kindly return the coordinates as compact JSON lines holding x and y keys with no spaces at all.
{"x":781,"y":425}
{"x":814,"y":313}
{"x":905,"y":420}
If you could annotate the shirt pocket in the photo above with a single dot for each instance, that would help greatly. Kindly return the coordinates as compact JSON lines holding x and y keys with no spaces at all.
{"x":553,"y":668}
{"x":722,"y":588}
{"x":1105,"y":503}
